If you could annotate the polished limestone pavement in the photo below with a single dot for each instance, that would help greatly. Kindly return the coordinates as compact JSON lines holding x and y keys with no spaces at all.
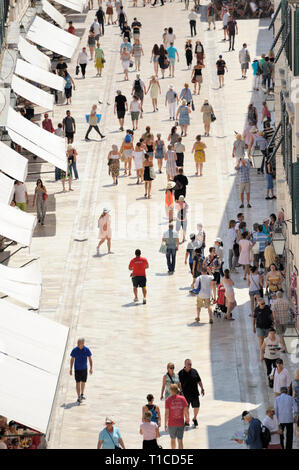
{"x":132,"y":343}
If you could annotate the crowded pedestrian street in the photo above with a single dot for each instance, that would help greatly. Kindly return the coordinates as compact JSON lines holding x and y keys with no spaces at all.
{"x":86,"y":282}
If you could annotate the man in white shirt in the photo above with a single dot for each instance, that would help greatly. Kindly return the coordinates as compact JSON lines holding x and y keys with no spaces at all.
{"x":225,"y":21}
{"x":96,"y":27}
{"x":244,"y":59}
{"x":203,"y":298}
{"x":21,"y":196}
{"x":192,"y":20}
{"x":271,"y":422}
{"x":172,"y":100}
{"x":82,"y":61}
{"x":281,"y":377}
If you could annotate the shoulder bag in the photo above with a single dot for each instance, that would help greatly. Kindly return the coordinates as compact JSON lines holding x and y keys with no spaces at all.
{"x":45,"y":196}
{"x":213,"y":117}
{"x":115,"y":446}
{"x":152,"y":172}
{"x":192,"y":106}
{"x":163,"y":248}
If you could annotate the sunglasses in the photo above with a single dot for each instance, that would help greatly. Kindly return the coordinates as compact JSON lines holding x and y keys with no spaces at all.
{"x":170,"y":367}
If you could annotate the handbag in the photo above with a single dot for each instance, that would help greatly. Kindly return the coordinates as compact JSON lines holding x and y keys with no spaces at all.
{"x":152,"y":172}
{"x":115,"y":446}
{"x":103,"y":60}
{"x":45,"y":196}
{"x":213,"y":117}
{"x":131,"y":63}
{"x":163,"y":248}
{"x":192,"y":106}
{"x":77,"y":69}
{"x":109,"y":161}
{"x":193,"y":80}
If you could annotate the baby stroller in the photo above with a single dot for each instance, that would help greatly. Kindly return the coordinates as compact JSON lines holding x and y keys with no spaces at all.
{"x":220,"y":303}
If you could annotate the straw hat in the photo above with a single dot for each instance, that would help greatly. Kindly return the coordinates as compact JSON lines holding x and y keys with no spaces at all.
{"x":170,"y":185}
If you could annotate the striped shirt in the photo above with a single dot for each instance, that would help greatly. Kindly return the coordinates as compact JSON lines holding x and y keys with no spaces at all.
{"x":262,"y":238}
{"x":268,"y":133}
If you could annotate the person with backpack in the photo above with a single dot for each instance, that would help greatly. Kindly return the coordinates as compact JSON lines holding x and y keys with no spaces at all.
{"x":139,"y":90}
{"x":266,"y":73}
{"x":271,"y":423}
{"x":244,"y":59}
{"x":257,"y":71}
{"x":211,"y":14}
{"x":254,"y":433}
{"x":154,"y":409}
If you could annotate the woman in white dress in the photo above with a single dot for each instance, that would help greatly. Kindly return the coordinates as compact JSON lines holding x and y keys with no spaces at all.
{"x":125,"y":61}
{"x":105,"y":232}
{"x":138,"y":161}
{"x":170,"y":157}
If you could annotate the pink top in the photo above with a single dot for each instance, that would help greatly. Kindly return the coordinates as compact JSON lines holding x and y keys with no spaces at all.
{"x":149,"y":430}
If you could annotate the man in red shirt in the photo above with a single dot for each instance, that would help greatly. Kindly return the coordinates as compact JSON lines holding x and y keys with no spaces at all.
{"x":138,"y":266}
{"x":47,"y":123}
{"x":71,"y":29}
{"x":176,"y":413}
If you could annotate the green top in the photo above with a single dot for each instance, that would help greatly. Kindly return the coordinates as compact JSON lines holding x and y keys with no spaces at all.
{"x":99,"y":53}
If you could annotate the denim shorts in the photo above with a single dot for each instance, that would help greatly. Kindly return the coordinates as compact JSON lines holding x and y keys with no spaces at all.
{"x":269,"y":180}
{"x":176,"y":432}
{"x":262,"y":331}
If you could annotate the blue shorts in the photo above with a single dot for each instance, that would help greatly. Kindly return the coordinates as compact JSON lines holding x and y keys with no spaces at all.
{"x":262,"y":331}
{"x":269,"y":180}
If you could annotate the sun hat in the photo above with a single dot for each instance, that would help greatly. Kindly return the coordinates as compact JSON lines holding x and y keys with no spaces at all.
{"x":109,"y":421}
{"x":170,"y":185}
{"x":171,"y":87}
{"x":218,"y":239}
{"x":105,"y":211}
{"x":181,"y":198}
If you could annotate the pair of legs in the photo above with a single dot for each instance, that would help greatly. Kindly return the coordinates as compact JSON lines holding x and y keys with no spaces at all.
{"x":139,"y":175}
{"x":193,"y":27}
{"x":256,"y":82}
{"x":242,"y":198}
{"x":169,"y":213}
{"x":108,"y":243}
{"x":171,"y":70}
{"x":137,"y":64}
{"x":269,"y":189}
{"x":63,"y":184}
{"x":68,"y":95}
{"x":126,"y":73}
{"x":198,"y":166}
{"x":163,"y":72}
{"x":80,"y":386}
{"x":231,"y":304}
{"x":135,"y":123}
{"x":83,"y":69}
{"x":73,"y":169}
{"x":172,"y":109}
{"x":110,"y":19}
{"x":244,"y":73}
{"x":128,"y":164}
{"x":173,"y":443}
{"x":207,"y":126}
{"x":184,"y":130}
{"x":99,"y":71}
{"x":246,"y":271}
{"x":211,"y":19}
{"x":135,"y":290}
{"x":171,"y":258}
{"x":148,"y":187}
{"x":155,"y":104}
{"x":160,"y":163}
{"x":96,"y":128}
{"x":203,"y":303}
{"x":224,"y":32}
{"x":221,"y":80}
{"x":41,"y":210}
{"x":156,"y":68}
{"x":253,"y":302}
{"x":196,"y":85}
{"x":232,"y":260}
{"x":91,"y":50}
{"x":121,"y":121}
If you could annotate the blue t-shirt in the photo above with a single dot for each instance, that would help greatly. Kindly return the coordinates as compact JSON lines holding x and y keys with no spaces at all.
{"x":68,"y":82}
{"x":80,"y":356}
{"x":171,"y":52}
{"x":255,"y":66}
{"x":109,"y":439}
{"x":262,"y":238}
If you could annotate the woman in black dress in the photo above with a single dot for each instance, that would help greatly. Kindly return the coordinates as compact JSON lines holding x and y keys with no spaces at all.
{"x":163,"y":60}
{"x":147,"y":175}
{"x":188,"y":53}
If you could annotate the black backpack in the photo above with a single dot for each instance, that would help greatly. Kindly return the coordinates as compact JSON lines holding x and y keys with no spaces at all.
{"x":265,"y":436}
{"x":137,"y":85}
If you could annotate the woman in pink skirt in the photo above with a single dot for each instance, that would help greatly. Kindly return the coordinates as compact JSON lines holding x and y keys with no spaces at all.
{"x":244,"y":257}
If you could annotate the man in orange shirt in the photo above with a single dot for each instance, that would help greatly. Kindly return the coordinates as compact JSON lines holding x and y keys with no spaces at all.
{"x":138,"y":266}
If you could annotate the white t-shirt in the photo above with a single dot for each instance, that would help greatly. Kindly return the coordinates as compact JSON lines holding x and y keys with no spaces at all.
{"x":281,"y":380}
{"x":20,"y":190}
{"x":272,"y":425}
{"x":253,"y":6}
{"x":243,"y":54}
{"x":135,"y":106}
{"x":205,"y":286}
{"x":96,"y":27}
{"x":225,"y":18}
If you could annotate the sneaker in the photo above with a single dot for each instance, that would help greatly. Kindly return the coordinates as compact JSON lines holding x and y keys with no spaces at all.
{"x":136,"y":299}
{"x":195,"y":422}
{"x":241,"y":206}
{"x":248,"y":205}
{"x":103,"y":136}
{"x":144,"y":301}
{"x":273,"y":197}
{"x":82,"y":397}
{"x":211,"y":321}
{"x":79,"y":400}
{"x":187,"y":424}
{"x":87,"y":138}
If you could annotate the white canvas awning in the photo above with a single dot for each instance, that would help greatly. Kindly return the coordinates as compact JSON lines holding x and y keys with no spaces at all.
{"x":16,"y":225}
{"x":12,"y":163}
{"x":32,"y":93}
{"x":53,"y":13}
{"x":55,"y":39}
{"x":30,"y":53}
{"x":39,"y":75}
{"x":6,"y":189}
{"x":46,"y":145}
{"x":23,"y":284}
{"x":31,"y":355}
{"x":4,"y":104}
{"x":76,"y":5}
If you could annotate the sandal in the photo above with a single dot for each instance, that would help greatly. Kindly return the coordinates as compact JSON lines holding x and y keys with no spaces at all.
{"x":197,"y":319}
